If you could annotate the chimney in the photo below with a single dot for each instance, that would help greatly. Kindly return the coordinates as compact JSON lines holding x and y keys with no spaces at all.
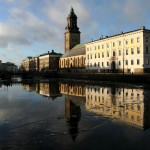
{"x":48,"y":52}
{"x":52,"y":51}
{"x":143,"y":27}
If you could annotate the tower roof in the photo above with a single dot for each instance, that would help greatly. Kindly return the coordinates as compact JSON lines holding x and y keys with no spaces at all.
{"x":72,"y":14}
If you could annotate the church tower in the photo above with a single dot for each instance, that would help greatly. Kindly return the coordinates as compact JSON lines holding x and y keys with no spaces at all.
{"x":72,"y":33}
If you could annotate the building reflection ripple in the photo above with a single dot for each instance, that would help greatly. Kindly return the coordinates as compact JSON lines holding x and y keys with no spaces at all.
{"x":123,"y":104}
{"x":126,"y":105}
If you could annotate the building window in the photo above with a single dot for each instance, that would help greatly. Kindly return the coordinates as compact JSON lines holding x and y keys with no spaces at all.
{"x":102,"y":46}
{"x":91,"y":56}
{"x":119,"y":52}
{"x":88,"y":56}
{"x":102,"y":63}
{"x":119,"y":63}
{"x":107,"y":54}
{"x":138,"y":50}
{"x":132,"y":62}
{"x":132,"y":40}
{"x":138,"y":39}
{"x":126,"y":62}
{"x":114,"y":54}
{"x":126,"y":51}
{"x":138,"y":61}
{"x":103,"y":54}
{"x":98,"y":47}
{"x":98,"y":64}
{"x":98,"y":55}
{"x":147,"y":61}
{"x":146,"y":51}
{"x":146,"y":39}
{"x":113,"y":44}
{"x":95,"y":64}
{"x":119,"y":43}
{"x":126,"y":42}
{"x":95,"y":55}
{"x":132,"y":50}
{"x":107,"y":45}
{"x":107,"y":63}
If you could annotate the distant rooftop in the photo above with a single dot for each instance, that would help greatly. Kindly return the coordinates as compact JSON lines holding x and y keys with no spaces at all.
{"x":121,"y":33}
{"x":51,"y":53}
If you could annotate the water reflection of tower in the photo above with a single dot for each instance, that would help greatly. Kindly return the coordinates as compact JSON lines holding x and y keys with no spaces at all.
{"x":73,"y":114}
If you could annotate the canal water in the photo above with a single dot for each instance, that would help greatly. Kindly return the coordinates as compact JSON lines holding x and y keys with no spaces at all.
{"x":69,"y":116}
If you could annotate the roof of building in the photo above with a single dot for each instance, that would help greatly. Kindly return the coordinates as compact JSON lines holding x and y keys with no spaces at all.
{"x":121,"y":33}
{"x":75,"y":51}
{"x":51,"y":53}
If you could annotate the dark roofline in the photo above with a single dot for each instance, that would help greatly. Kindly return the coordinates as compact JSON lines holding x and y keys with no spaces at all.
{"x":50,"y":53}
{"x":122,"y":33}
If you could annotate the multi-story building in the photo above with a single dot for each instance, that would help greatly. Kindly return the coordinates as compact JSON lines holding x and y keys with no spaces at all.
{"x":124,"y":52}
{"x":74,"y":56}
{"x":30,"y":64}
{"x":121,"y":104}
{"x":47,"y":61}
{"x":8,"y":66}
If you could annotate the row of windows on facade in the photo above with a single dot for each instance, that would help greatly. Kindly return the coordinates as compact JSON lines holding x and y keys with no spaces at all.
{"x":108,"y":91}
{"x":119,"y":63}
{"x":98,"y":55}
{"x":114,"y":44}
{"x":125,"y":94}
{"x":80,"y":61}
{"x":101,"y":99}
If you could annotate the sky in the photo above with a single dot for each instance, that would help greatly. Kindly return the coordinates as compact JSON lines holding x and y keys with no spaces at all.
{"x":34,"y":27}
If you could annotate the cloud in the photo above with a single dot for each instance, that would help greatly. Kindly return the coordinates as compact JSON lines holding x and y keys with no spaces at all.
{"x":32,"y":24}
{"x":24,"y":28}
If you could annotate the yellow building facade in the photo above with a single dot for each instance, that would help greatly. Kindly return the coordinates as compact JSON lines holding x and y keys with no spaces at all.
{"x":125,"y":52}
{"x":124,"y":105}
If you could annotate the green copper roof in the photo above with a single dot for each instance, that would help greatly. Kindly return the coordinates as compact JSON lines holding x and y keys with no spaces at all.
{"x":76,"y":50}
{"x":78,"y":46}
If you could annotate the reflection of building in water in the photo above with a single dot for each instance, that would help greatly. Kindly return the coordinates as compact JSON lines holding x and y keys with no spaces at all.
{"x":73,"y":114}
{"x":50,"y":89}
{"x":32,"y":87}
{"x":75,"y":90}
{"x":74,"y":98}
{"x":126,"y":105}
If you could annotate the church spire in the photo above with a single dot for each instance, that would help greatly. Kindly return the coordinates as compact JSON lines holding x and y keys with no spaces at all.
{"x":72,"y":33}
{"x":72,"y":22}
